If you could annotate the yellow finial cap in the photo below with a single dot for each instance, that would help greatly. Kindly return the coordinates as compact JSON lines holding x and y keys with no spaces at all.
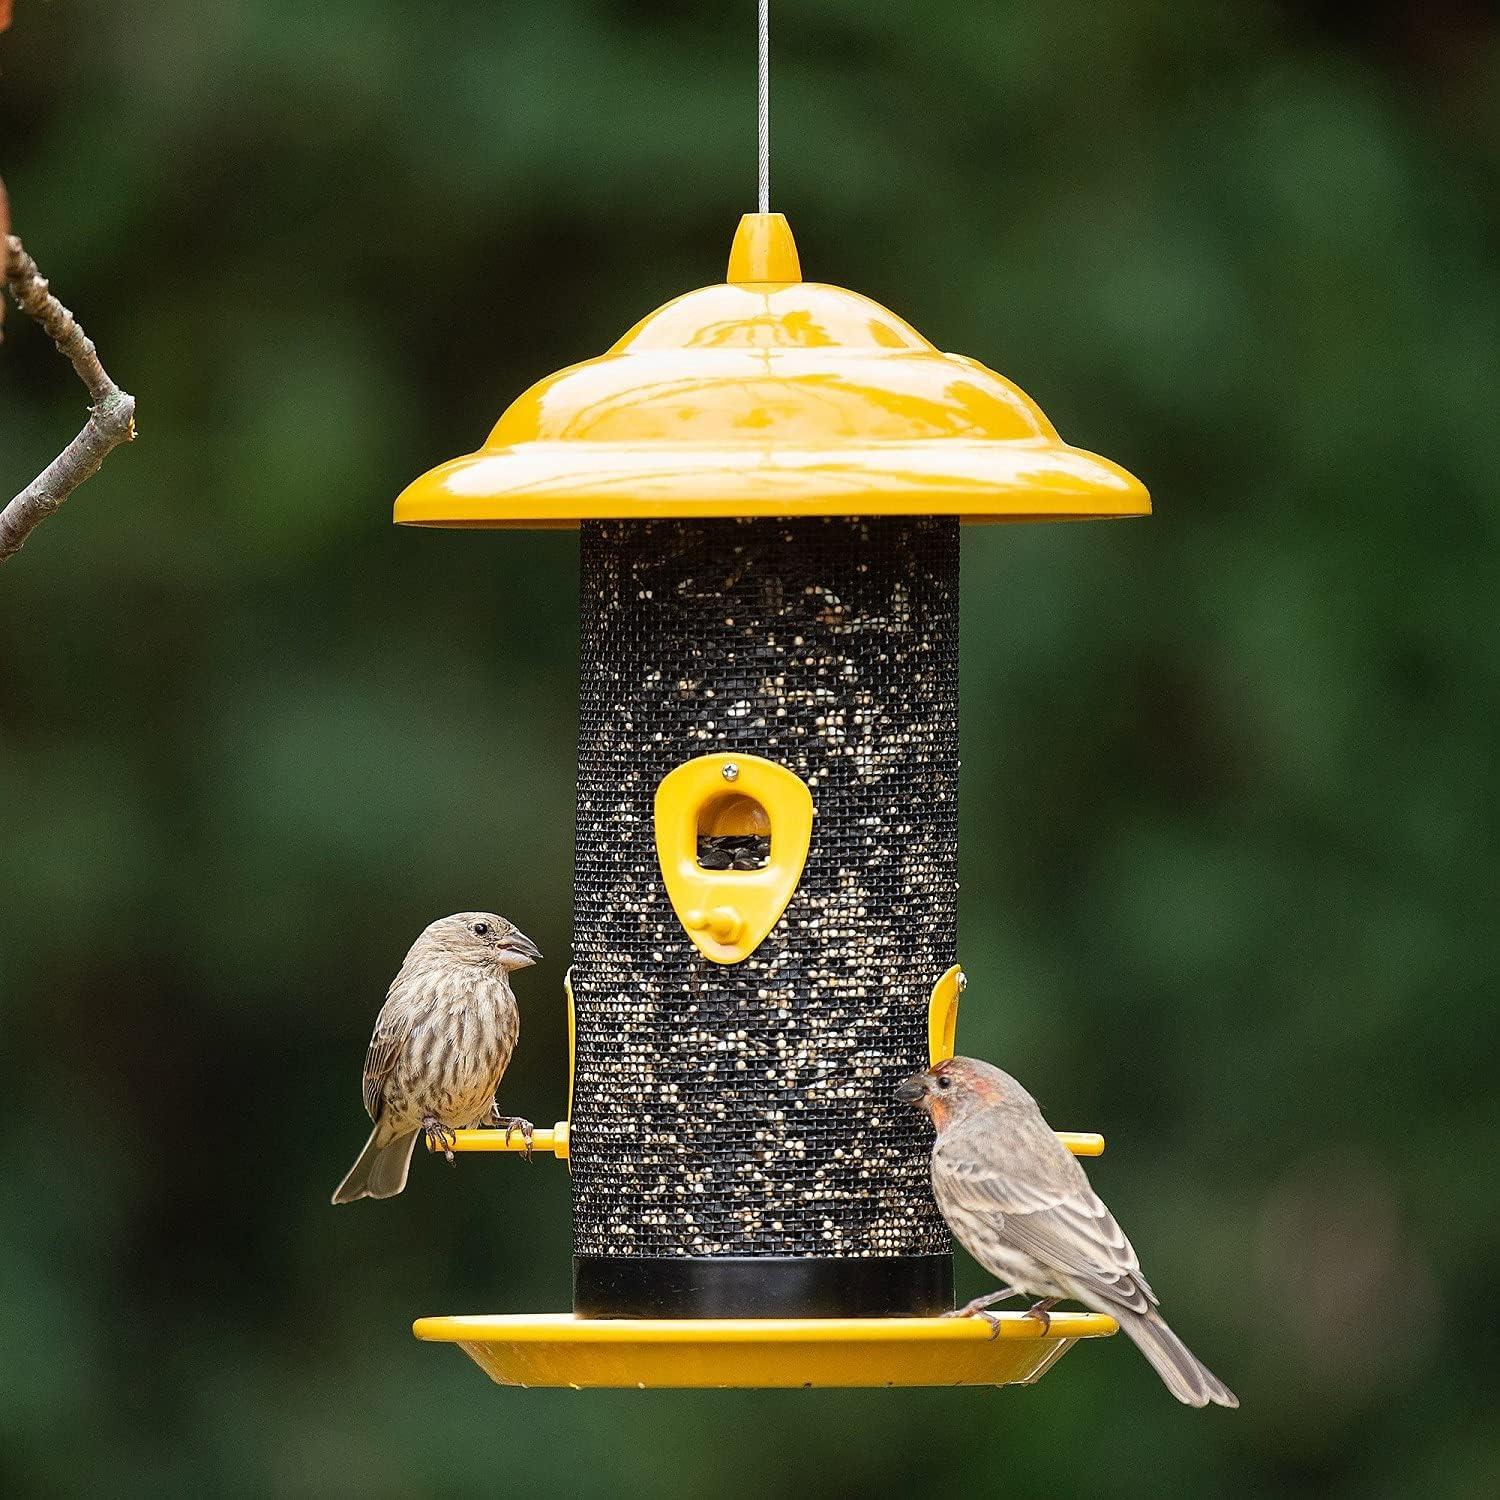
{"x":763,"y":250}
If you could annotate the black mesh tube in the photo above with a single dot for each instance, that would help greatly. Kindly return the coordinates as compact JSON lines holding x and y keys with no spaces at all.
{"x":727,"y":1114}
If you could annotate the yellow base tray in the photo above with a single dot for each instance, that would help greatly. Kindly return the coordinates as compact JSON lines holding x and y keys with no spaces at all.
{"x":559,"y":1350}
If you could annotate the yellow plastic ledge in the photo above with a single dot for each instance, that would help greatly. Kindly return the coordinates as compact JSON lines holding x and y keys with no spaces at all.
{"x":559,"y":1350}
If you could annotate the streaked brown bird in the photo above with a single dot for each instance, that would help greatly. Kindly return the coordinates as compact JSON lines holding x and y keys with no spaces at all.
{"x":1018,"y":1202}
{"x":441,"y":1045}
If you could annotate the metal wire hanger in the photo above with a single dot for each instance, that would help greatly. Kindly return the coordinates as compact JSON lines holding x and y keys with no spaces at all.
{"x":763,"y":102}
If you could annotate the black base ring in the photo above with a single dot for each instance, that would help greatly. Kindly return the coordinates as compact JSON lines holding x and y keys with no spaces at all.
{"x":762,"y":1286}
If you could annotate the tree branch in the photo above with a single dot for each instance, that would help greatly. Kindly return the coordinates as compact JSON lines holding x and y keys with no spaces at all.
{"x":111,"y":410}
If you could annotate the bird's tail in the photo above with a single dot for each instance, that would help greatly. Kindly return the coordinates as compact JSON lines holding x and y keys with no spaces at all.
{"x":1192,"y":1382}
{"x":380,"y":1171}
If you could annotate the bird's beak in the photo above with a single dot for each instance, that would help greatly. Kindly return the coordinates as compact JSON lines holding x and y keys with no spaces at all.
{"x":911,"y":1090}
{"x":520,"y":947}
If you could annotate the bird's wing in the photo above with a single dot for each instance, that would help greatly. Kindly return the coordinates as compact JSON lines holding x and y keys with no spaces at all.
{"x":391,"y":1031}
{"x":1080,"y":1237}
{"x":1047,"y":1210}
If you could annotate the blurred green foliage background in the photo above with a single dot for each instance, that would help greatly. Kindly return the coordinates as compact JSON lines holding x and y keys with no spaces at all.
{"x":1230,"y":774}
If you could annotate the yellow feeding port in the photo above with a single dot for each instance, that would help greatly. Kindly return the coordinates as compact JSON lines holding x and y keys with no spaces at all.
{"x":557,"y":1349}
{"x":728,"y":913}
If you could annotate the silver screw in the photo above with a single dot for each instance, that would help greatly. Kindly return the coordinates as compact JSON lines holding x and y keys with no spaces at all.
{"x":731,"y":771}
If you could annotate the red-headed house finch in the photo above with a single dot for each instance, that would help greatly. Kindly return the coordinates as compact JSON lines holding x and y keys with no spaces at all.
{"x":1018,"y":1202}
{"x":441,"y":1044}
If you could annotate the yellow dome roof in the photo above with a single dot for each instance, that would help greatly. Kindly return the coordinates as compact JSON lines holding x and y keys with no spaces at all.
{"x":771,"y":396}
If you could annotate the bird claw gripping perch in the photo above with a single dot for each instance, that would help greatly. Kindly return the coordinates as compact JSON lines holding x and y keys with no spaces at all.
{"x":976,"y":1308}
{"x":514,"y":1123}
{"x":440,"y":1137}
{"x":1042,"y":1312}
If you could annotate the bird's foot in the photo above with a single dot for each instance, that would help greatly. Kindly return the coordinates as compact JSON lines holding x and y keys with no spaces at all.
{"x":977,"y":1306}
{"x":439,"y":1135}
{"x":1042,"y":1312}
{"x":510,"y":1123}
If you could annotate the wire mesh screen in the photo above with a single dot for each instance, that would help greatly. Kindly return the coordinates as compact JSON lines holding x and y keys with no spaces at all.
{"x":747,"y":1109}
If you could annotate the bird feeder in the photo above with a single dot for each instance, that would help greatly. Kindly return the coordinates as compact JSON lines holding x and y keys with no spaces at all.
{"x":768,"y":476}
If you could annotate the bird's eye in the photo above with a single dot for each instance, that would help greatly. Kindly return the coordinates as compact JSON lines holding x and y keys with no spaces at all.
{"x":481,"y":929}
{"x":944,"y":1081}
